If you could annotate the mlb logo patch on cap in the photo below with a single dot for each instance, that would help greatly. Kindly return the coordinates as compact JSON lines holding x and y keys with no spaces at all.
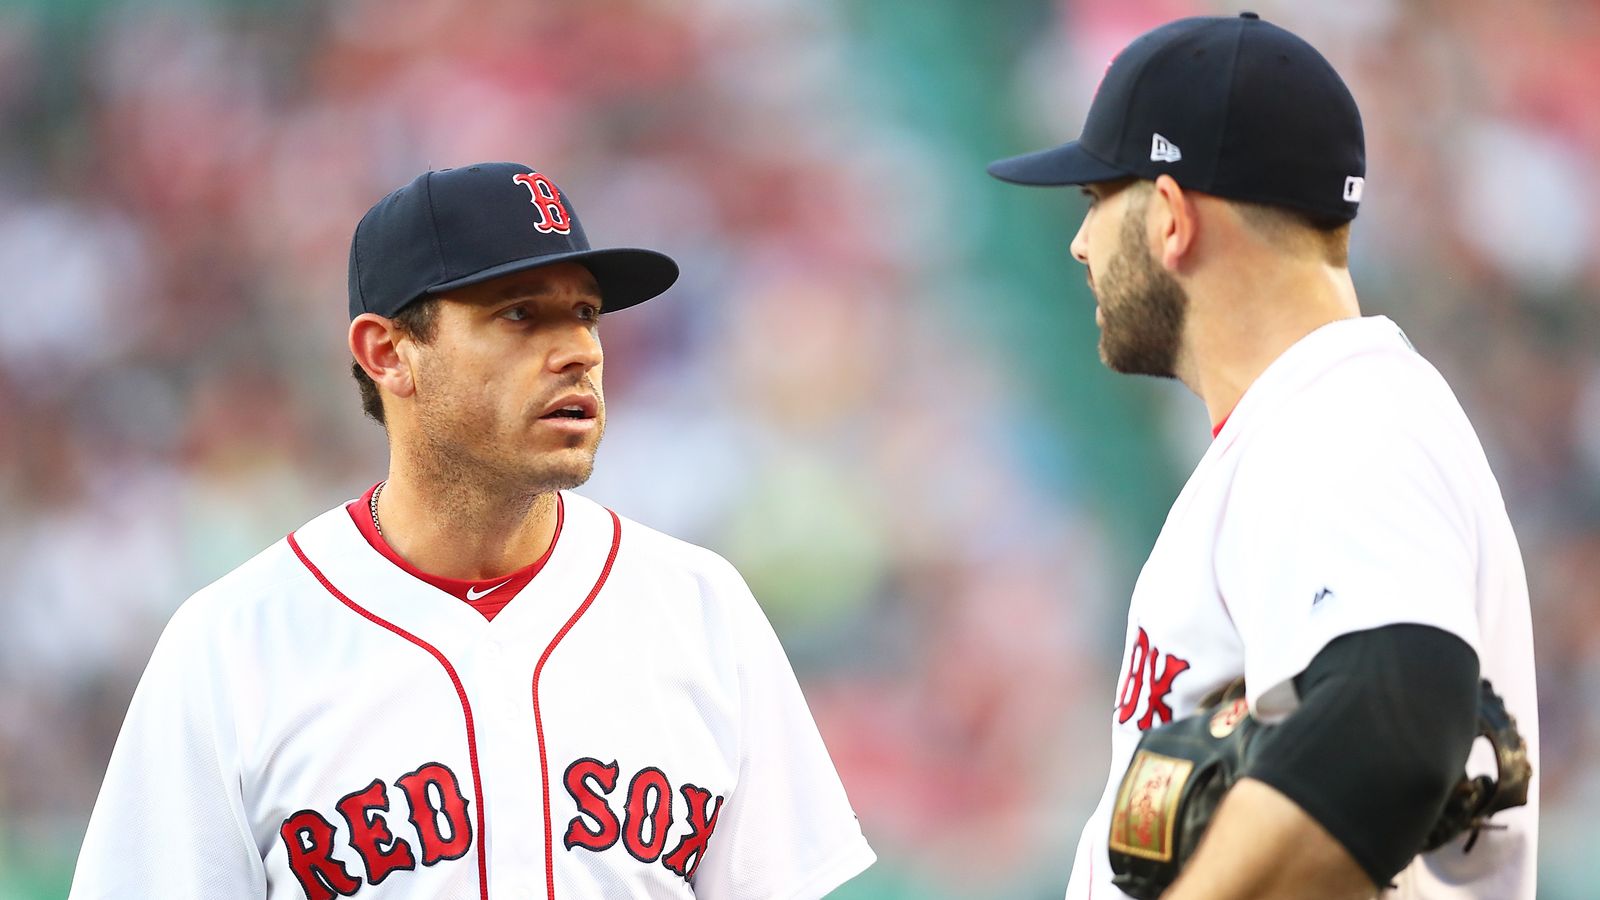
{"x":1263,"y":116}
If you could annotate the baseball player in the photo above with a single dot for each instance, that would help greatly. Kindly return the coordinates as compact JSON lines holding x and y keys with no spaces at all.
{"x":470,"y":682}
{"x":1342,"y":545}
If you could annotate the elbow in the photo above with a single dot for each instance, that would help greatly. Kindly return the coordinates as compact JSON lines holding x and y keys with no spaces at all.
{"x":1425,"y":782}
{"x":1386,"y":722}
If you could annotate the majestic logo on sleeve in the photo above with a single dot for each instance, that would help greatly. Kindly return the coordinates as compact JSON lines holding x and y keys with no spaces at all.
{"x":439,"y":820}
{"x":1142,"y":683}
{"x":552,"y":213}
{"x":649,"y":811}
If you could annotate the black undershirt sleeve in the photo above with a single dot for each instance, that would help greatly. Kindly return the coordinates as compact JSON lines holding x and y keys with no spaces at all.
{"x":1385,"y":723}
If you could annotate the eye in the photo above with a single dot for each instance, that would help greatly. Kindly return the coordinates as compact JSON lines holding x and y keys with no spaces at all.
{"x":589,"y":312}
{"x":514,"y":313}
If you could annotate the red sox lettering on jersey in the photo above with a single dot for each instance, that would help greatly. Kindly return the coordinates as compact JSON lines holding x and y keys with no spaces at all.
{"x":649,"y":814}
{"x":438,"y":815}
{"x":1140,"y":681}
{"x":628,"y":727}
{"x":441,"y":829}
{"x":1346,"y":492}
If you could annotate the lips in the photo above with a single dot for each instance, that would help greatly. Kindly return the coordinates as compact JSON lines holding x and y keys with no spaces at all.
{"x":572,"y":406}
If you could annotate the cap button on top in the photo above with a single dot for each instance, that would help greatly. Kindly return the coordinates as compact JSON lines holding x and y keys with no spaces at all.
{"x":1248,"y":15}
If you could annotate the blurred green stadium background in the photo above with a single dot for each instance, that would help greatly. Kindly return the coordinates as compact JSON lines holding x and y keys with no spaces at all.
{"x":875,"y":388}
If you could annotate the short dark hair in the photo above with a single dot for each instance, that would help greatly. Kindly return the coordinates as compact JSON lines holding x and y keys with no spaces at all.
{"x":416,"y":320}
{"x":1295,"y":231}
{"x":1290,"y":230}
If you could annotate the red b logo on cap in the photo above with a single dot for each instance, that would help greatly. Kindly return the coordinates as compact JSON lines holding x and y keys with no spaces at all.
{"x":547,"y":200}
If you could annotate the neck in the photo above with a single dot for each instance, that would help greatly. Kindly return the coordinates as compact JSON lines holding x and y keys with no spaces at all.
{"x":454,"y":529}
{"x":1241,"y":320}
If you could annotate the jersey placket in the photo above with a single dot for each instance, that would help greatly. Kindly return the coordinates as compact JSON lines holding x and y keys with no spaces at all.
{"x":502,"y":669}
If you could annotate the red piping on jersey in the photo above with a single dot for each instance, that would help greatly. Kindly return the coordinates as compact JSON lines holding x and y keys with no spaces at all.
{"x":490,"y":603}
{"x":466,"y":708}
{"x":1217,"y":428}
{"x":538,"y":723}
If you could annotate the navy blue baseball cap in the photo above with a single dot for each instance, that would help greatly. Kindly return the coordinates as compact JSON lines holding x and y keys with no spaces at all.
{"x":1227,"y":105}
{"x":452,"y":228}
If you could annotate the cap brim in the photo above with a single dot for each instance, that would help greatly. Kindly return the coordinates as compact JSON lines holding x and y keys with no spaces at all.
{"x":1066,"y":164}
{"x":627,"y":276}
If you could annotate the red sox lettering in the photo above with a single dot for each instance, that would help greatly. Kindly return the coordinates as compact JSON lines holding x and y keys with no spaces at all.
{"x":647,"y":815}
{"x":623,"y":639}
{"x":370,"y":834}
{"x":1141,"y":670}
{"x":438,"y":818}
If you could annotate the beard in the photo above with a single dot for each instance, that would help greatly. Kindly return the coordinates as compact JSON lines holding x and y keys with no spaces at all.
{"x":1142,"y":308}
{"x":461,"y":447}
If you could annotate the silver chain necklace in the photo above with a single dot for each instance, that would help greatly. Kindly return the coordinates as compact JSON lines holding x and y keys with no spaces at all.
{"x":373,"y":505}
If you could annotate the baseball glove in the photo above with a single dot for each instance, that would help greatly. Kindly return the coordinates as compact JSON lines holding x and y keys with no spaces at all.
{"x":1474,"y":800}
{"x":1181,"y":770}
{"x":1179,"y":774}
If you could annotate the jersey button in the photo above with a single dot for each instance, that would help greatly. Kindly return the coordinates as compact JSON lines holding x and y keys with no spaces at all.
{"x":504,"y":652}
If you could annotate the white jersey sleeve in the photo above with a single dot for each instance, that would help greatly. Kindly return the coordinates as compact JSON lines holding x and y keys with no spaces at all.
{"x":788,"y":831}
{"x":1340,"y":524}
{"x":170,"y":820}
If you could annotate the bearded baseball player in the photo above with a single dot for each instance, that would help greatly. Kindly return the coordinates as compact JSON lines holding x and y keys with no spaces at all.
{"x":1342,"y":548}
{"x":470,"y":682}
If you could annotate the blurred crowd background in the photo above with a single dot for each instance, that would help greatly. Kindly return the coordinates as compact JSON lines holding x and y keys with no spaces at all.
{"x":875,"y":388}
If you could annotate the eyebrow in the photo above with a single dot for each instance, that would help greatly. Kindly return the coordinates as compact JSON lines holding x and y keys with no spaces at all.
{"x":541,"y":290}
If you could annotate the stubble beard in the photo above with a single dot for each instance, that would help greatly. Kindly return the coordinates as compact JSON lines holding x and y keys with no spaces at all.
{"x":495,"y":464}
{"x":1142,"y":308}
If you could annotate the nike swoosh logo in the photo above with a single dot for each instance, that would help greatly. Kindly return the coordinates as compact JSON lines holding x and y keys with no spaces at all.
{"x":474,"y":593}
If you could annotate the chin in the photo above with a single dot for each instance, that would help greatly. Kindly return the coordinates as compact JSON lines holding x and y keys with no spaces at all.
{"x":563,"y":470}
{"x":1111,"y":356}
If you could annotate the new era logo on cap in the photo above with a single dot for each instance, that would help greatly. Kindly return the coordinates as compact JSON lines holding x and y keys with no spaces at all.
{"x":1263,"y":116}
{"x":1163,"y":150}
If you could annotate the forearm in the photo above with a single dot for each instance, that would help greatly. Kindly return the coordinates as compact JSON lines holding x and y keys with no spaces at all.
{"x":1262,"y":846}
{"x":1341,"y":795}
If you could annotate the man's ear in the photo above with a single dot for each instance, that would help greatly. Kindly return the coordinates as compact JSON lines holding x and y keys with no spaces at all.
{"x":1173,"y":222}
{"x":375,"y":343}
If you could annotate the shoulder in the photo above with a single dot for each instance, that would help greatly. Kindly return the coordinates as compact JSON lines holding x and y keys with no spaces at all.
{"x":642,"y":545}
{"x":1376,"y":383}
{"x":690,"y":589}
{"x":1379,"y":433}
{"x":669,"y":555}
{"x":214,"y":628}
{"x":673,"y":571}
{"x":272,"y":582}
{"x":1387,"y":407}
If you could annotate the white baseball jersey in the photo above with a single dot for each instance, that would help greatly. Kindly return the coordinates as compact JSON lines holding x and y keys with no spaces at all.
{"x":1346,"y":492}
{"x":320,"y":723}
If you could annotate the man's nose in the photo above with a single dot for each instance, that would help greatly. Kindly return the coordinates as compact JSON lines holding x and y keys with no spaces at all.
{"x":1080,"y":242}
{"x":579,"y":348}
